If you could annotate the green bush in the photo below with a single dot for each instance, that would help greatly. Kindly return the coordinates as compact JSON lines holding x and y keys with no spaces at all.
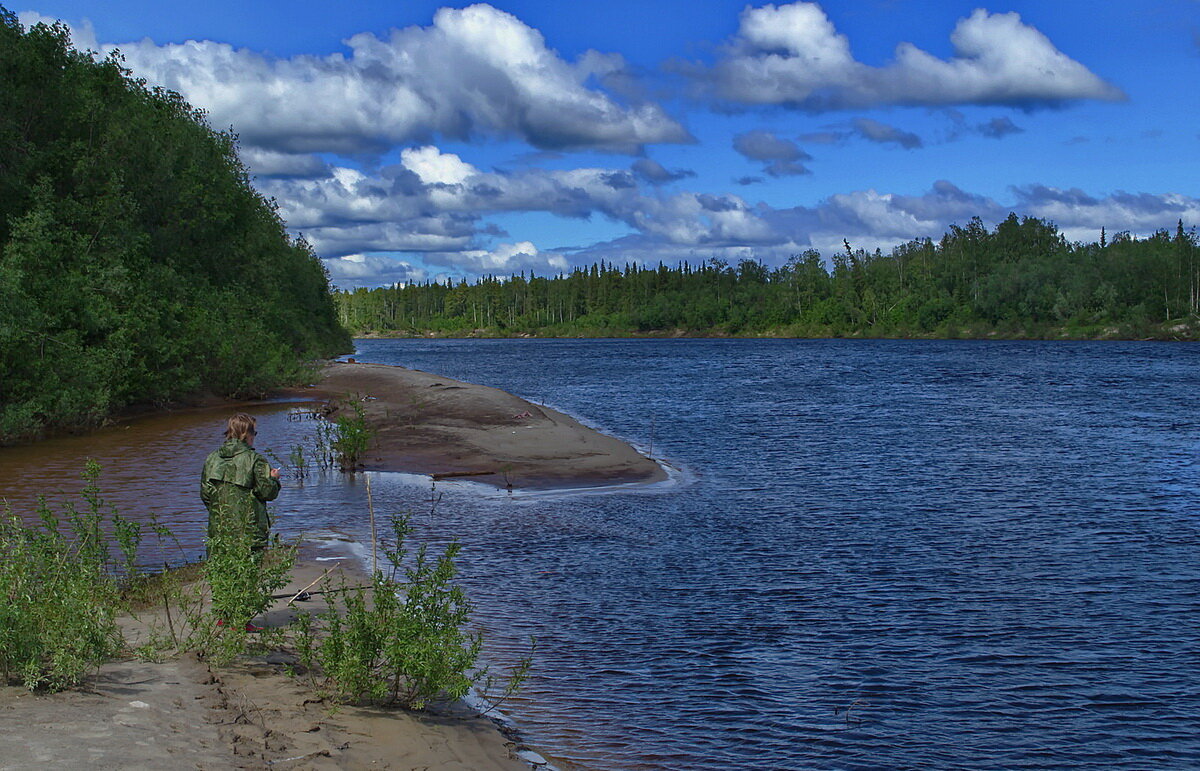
{"x":63,"y":584}
{"x":59,"y":594}
{"x":400,"y":643}
{"x":241,"y":580}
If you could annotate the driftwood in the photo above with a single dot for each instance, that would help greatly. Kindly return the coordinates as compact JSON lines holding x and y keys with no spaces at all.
{"x":449,"y":474}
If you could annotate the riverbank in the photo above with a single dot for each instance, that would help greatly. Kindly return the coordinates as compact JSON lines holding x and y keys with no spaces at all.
{"x":139,"y":714}
{"x":430,"y":424}
{"x":1172,"y":331}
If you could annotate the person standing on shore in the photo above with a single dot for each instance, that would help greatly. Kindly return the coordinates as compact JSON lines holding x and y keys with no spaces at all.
{"x":236,"y":484}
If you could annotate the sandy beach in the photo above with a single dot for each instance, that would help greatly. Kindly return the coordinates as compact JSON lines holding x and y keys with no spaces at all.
{"x":182,"y":713}
{"x":429,"y":424}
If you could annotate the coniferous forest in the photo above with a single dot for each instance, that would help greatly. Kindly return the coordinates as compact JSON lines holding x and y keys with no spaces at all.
{"x":1020,"y":280}
{"x":137,"y":263}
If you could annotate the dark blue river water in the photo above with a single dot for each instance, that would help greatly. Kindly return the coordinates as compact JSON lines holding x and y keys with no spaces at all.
{"x":877,"y":554}
{"x":874,"y":554}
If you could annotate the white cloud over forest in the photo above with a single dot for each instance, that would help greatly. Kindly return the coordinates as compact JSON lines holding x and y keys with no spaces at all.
{"x":372,"y":270}
{"x":443,"y":223}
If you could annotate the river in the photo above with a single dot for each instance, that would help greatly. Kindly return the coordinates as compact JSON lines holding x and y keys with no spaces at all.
{"x":871,"y":554}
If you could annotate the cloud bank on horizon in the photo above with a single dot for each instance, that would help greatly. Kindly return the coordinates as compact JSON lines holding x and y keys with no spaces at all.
{"x":354,"y":146}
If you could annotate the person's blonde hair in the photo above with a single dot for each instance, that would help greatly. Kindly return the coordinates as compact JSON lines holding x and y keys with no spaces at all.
{"x":241,"y":426}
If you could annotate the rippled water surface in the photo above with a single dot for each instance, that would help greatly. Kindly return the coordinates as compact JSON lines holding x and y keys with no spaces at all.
{"x":875,"y":554}
{"x":879,"y":554}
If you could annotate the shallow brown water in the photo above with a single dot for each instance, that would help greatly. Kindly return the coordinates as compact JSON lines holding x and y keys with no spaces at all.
{"x":149,"y":466}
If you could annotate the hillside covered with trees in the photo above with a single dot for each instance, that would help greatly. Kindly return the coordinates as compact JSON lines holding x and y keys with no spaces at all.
{"x":137,"y":264}
{"x":1022,"y":279}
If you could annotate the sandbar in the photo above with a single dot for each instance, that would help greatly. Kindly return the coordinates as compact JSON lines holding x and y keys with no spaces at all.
{"x":434,"y":425}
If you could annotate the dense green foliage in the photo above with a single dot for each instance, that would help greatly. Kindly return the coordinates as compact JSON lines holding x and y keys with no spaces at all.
{"x":405,"y":643}
{"x":137,"y":264}
{"x":58,"y":592}
{"x":1022,"y":279}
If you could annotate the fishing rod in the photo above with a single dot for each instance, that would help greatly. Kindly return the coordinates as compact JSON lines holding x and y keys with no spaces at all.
{"x":304,"y":595}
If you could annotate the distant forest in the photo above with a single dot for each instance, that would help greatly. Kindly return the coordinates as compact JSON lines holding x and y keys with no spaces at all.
{"x":137,"y":264}
{"x":1020,"y":280}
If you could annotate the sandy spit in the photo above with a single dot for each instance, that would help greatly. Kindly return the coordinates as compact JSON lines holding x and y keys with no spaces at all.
{"x":430,"y":424}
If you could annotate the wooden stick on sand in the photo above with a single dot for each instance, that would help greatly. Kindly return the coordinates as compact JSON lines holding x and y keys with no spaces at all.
{"x":317,"y":580}
{"x":371,"y":509}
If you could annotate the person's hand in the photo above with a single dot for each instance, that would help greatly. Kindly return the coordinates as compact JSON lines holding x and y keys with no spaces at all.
{"x":274,"y":473}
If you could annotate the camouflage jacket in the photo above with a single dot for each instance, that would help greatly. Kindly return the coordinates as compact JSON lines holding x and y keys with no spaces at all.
{"x":235,"y":485}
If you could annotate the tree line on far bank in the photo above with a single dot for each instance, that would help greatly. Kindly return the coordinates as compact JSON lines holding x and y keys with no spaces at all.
{"x":1021,"y":280}
{"x":137,"y":263}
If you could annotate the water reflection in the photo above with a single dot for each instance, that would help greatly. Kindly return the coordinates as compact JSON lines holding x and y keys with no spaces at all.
{"x":151,"y":466}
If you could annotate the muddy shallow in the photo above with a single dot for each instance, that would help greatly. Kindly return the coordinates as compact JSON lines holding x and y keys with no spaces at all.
{"x":149,"y":466}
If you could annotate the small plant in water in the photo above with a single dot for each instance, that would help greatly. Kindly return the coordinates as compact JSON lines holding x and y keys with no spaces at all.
{"x":351,"y":436}
{"x":343,"y":441}
{"x":299,"y":463}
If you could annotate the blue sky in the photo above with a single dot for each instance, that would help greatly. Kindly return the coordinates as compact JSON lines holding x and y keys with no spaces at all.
{"x":416,"y":140}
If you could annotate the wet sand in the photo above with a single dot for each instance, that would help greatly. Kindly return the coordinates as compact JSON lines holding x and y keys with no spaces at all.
{"x":182,"y":713}
{"x":429,"y":424}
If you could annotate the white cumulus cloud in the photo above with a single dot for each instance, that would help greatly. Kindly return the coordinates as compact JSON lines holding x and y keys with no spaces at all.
{"x":432,"y":166}
{"x":475,"y":71}
{"x":1080,"y":215}
{"x":371,"y":270}
{"x":504,"y":259}
{"x":792,"y":55}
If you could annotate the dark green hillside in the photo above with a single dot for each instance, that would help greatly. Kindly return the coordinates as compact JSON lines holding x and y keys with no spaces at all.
{"x":1022,"y":280}
{"x":137,"y":264}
